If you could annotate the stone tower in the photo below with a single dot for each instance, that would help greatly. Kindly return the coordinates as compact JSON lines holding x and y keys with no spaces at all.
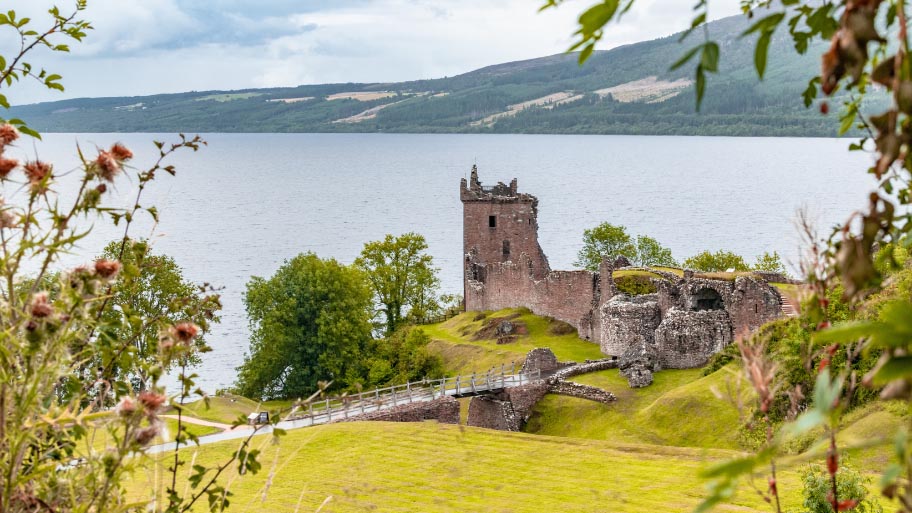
{"x":499,"y":225}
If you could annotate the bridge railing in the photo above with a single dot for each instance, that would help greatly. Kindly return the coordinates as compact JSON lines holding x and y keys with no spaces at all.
{"x":342,"y":407}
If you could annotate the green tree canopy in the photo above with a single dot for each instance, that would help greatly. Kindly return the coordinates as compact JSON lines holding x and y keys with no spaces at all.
{"x":403,"y":357}
{"x":716,"y":262}
{"x":153,"y":286}
{"x":403,"y":278}
{"x":309,"y":322}
{"x":650,"y":252}
{"x":609,"y":240}
{"x":769,"y":262}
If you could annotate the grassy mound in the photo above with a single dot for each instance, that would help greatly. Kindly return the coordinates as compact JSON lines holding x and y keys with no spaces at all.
{"x":430,"y":467}
{"x":467,"y":343}
{"x":680,"y":408}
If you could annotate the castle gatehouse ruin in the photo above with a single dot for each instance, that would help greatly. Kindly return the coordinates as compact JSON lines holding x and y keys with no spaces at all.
{"x":686,"y":320}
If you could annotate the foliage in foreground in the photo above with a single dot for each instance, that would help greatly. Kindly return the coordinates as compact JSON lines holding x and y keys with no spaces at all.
{"x":73,"y":344}
{"x":868,"y":56}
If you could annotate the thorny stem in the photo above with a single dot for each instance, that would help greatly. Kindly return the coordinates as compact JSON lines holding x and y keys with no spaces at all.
{"x":177,"y":436}
{"x":774,"y":487}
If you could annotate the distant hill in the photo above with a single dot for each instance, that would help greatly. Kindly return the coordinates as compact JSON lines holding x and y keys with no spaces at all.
{"x":626,"y":90}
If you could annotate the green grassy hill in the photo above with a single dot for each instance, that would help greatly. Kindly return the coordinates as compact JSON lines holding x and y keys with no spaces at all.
{"x":642,"y":453}
{"x":626,"y":90}
{"x":428,"y":467}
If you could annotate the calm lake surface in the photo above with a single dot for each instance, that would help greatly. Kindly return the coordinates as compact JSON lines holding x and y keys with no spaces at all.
{"x":246,"y":203}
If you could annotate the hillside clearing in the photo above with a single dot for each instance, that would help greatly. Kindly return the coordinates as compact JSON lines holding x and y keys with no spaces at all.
{"x":647,"y":90}
{"x":547,"y":102}
{"x":370,"y":113}
{"x":361,"y":96}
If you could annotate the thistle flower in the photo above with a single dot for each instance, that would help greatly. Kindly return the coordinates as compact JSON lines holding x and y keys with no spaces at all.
{"x":7,"y":166}
{"x":151,"y":401}
{"x":108,"y":167}
{"x":185,"y":331}
{"x":121,"y":152}
{"x":36,"y":172}
{"x":125,"y":407}
{"x":145,"y":435}
{"x":107,"y":268}
{"x":7,"y":219}
{"x":40,"y":307}
{"x":8,"y":134}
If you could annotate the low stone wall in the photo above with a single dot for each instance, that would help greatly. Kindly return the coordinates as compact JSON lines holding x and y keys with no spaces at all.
{"x":488,"y":412}
{"x":572,"y":389}
{"x":584,"y":368}
{"x":524,"y":398}
{"x":444,"y":410}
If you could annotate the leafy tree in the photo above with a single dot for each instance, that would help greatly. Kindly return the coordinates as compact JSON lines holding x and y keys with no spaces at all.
{"x":607,"y":240}
{"x":153,"y":287}
{"x":403,"y":278}
{"x":851,"y":484}
{"x":403,"y":357}
{"x":769,"y":262}
{"x":716,"y":262}
{"x":650,"y":253}
{"x":310,"y":322}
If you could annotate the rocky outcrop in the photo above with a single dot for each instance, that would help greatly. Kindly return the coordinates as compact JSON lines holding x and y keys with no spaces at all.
{"x":638,"y":363}
{"x":686,"y":339}
{"x":444,"y":410}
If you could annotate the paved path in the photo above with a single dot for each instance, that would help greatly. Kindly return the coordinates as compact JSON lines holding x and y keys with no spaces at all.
{"x":201,"y":422}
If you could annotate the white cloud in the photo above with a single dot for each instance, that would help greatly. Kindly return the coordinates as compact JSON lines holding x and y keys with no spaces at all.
{"x":154,"y":46}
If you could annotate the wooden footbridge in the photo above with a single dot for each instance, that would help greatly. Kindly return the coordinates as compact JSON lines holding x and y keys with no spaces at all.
{"x":339,"y":408}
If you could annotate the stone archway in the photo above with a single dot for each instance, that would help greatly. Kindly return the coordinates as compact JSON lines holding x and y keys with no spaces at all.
{"x":707,"y":299}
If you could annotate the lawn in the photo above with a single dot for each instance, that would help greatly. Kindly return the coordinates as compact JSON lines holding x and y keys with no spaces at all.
{"x":454,"y":341}
{"x":227,"y":408}
{"x":428,"y":467}
{"x":680,"y":408}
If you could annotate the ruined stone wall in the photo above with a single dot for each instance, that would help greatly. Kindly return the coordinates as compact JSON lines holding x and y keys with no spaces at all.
{"x":564,"y":295}
{"x":753,"y":303}
{"x":444,"y":409}
{"x":687,"y":339}
{"x":627,"y":320}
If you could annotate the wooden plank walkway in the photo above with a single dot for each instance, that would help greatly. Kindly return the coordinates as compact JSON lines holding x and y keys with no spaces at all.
{"x":330,"y":409}
{"x":339,"y":408}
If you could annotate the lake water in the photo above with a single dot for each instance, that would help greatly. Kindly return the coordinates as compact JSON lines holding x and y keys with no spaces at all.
{"x":246,"y":203}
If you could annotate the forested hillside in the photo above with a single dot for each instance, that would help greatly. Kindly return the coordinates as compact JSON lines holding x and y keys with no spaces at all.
{"x":627,"y":90}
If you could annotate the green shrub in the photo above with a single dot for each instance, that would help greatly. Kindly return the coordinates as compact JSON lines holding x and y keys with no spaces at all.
{"x":850,"y":484}
{"x":634,"y":285}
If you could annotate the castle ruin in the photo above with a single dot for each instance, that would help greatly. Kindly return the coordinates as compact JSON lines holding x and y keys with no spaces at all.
{"x":688,"y":319}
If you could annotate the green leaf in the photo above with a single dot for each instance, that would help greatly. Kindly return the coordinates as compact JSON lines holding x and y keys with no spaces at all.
{"x":806,"y":422}
{"x":700,"y":86}
{"x":28,"y":131}
{"x":760,"y":53}
{"x":767,"y":24}
{"x":685,"y":58}
{"x":896,"y":367}
{"x":709,"y":59}
{"x":810,"y":92}
{"x":586,"y":53}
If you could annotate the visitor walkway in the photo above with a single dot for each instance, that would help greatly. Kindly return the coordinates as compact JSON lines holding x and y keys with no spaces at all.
{"x":350,"y":406}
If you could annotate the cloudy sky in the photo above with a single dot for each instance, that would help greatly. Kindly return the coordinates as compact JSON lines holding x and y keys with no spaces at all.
{"x":143,"y":47}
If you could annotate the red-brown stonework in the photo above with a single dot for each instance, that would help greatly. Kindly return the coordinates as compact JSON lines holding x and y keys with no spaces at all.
{"x":505,"y":267}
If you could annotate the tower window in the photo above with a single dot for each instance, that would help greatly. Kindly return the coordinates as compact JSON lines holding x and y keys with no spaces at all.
{"x":506,"y":248}
{"x":492,"y":221}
